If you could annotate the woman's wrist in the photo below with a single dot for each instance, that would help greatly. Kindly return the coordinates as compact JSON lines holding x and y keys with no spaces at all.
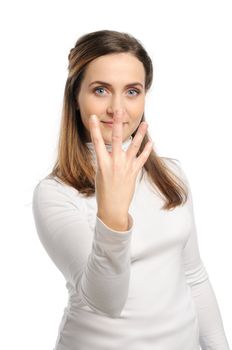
{"x":118,"y":224}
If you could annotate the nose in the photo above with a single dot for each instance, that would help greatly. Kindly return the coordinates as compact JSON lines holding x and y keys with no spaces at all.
{"x":116,"y":104}
{"x":116,"y":109}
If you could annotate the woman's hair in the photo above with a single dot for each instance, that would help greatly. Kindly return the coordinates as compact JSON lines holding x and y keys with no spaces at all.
{"x":73,"y":164}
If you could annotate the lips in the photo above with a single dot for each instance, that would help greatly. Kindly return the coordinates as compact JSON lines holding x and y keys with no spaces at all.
{"x":110,"y":122}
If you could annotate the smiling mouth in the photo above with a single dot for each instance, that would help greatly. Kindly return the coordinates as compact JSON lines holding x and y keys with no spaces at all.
{"x":110,"y":125}
{"x":110,"y":122}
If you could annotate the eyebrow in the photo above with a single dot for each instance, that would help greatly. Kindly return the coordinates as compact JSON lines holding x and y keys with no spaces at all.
{"x":107,"y":84}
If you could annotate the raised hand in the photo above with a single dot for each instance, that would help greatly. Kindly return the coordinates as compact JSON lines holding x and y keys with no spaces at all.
{"x":117,"y":171}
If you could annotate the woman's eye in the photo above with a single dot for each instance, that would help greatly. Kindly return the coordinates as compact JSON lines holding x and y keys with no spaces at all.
{"x":137,"y":91}
{"x":101,"y":88}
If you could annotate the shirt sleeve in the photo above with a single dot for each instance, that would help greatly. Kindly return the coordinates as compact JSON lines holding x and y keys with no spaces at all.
{"x":97,"y":264}
{"x":212,"y":333}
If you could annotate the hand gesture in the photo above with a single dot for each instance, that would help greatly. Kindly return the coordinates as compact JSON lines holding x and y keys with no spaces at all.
{"x":117,"y":171}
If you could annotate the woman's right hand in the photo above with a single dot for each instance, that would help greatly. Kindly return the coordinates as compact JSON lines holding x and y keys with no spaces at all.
{"x":117,"y":171}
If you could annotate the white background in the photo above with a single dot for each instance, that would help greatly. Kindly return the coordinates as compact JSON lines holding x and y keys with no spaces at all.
{"x":189,"y":114}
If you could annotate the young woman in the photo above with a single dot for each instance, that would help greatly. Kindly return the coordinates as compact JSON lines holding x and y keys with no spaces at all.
{"x":117,"y":219}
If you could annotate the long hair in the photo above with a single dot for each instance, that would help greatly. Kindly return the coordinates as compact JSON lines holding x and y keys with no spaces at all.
{"x":73,"y":164}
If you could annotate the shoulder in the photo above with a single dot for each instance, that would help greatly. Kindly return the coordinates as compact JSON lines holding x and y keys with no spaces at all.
{"x":50,"y":190}
{"x":46,"y":185}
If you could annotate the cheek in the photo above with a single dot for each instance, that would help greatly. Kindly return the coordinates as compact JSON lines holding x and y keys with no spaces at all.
{"x":137,"y":106}
{"x":88,"y":106}
{"x":136,"y":111}
{"x":91,"y":104}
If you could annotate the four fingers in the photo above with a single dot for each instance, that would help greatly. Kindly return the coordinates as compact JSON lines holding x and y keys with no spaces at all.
{"x":117,"y":132}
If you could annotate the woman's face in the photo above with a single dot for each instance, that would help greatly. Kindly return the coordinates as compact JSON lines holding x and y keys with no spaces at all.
{"x":123,"y":74}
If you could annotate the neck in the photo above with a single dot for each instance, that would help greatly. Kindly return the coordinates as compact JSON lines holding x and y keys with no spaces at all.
{"x":125,"y":144}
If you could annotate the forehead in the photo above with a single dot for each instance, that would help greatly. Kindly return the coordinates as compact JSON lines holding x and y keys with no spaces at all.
{"x":111,"y":67}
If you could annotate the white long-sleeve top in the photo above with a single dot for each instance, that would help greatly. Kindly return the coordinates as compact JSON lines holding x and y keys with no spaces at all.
{"x":141,"y":289}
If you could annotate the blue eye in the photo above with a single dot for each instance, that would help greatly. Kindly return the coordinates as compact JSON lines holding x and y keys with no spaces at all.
{"x":102,"y":88}
{"x":137,"y":91}
{"x":98,"y":88}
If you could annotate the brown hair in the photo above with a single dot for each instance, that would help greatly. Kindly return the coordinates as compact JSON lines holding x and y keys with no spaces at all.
{"x":74,"y":165}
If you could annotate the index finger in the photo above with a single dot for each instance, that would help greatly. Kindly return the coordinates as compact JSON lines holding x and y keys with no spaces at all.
{"x":97,"y":139}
